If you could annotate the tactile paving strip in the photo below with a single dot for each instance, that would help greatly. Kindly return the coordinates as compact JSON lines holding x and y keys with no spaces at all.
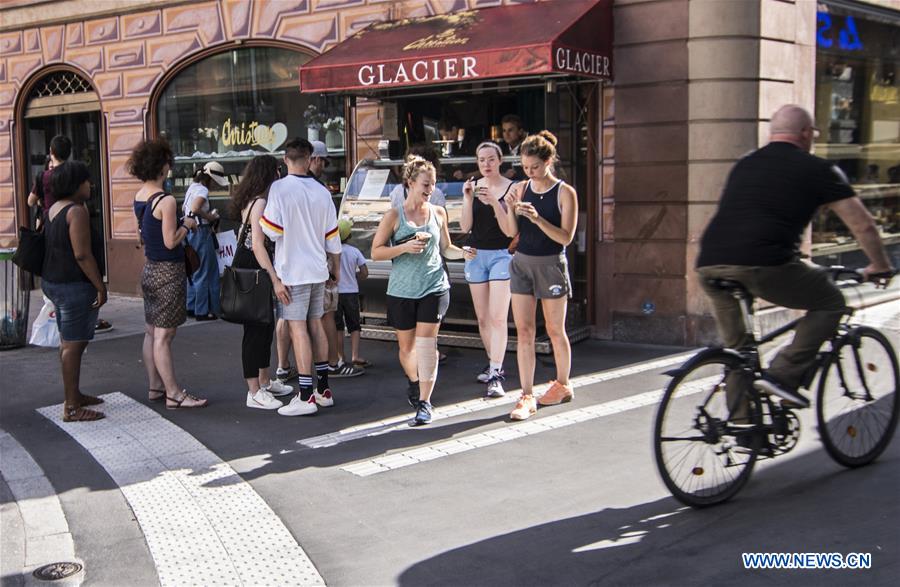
{"x":203,"y":524}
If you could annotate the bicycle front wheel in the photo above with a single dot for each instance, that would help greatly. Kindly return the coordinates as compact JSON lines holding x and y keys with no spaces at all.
{"x":857,"y":404}
{"x":703,"y":456}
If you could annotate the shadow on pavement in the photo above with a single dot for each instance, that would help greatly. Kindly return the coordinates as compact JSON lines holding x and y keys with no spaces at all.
{"x":784,"y":508}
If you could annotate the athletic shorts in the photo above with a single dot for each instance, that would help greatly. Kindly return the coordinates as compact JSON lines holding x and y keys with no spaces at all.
{"x":348,"y":313}
{"x":544,"y":277}
{"x":488,"y":265}
{"x":307,"y":302}
{"x":404,"y":313}
{"x":331,"y":299}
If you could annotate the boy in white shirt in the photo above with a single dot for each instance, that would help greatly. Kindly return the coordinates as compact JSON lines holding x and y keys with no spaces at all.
{"x":352,"y":261}
{"x":301,"y":219}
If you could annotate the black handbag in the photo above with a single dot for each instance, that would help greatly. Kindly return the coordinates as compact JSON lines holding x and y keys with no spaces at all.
{"x":30,"y":253}
{"x":246,"y":294}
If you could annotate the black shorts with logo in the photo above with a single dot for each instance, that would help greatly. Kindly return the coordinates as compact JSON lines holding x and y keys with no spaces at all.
{"x":404,"y":313}
{"x":347,"y":312}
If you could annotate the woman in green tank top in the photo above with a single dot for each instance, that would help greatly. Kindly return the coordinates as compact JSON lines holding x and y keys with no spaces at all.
{"x":413,"y":238}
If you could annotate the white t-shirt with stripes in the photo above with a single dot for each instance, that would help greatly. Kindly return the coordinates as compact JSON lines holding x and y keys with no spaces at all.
{"x":301,"y":219}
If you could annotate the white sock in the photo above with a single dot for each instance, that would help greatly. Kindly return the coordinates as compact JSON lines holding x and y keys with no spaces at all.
{"x":496,"y":367}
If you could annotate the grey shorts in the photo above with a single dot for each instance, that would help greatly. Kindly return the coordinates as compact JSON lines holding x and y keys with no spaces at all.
{"x":307,"y":302}
{"x":544,"y":277}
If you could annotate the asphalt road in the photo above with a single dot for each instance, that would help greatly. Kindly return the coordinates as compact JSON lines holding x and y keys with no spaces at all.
{"x":575,"y":504}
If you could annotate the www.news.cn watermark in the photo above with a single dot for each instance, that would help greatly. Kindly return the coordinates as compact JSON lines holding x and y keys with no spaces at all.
{"x":806,"y":560}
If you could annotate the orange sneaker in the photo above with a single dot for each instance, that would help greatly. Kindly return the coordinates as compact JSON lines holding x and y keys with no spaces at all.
{"x":525,"y":408}
{"x":557,"y":394}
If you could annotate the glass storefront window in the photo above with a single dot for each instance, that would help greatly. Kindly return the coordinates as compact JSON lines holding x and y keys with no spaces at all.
{"x":858,"y":114}
{"x":241,"y":103}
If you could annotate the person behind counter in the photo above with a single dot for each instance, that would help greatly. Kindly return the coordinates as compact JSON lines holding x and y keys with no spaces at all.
{"x":162,"y":282}
{"x":544,"y":212}
{"x":255,"y":251}
{"x":414,"y":237}
{"x":72,"y":281}
{"x":513,"y":134}
{"x":203,"y":291}
{"x":488,"y":272}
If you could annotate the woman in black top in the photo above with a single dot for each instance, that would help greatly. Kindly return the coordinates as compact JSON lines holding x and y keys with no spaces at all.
{"x":488,"y":272}
{"x":543,"y":211}
{"x":255,"y":251}
{"x":72,"y":281}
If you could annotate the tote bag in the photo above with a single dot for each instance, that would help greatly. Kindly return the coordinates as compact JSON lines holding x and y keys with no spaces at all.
{"x":246,"y":294}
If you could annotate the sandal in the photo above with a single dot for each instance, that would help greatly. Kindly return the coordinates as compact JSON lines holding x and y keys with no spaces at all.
{"x":79,"y":414}
{"x":156,"y":395}
{"x":90,"y":400}
{"x":178,"y":404}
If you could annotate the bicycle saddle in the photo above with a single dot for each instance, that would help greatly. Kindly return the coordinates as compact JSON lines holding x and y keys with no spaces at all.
{"x":729,"y":285}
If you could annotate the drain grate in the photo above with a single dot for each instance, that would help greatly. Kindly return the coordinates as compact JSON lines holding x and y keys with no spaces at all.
{"x":57,"y":571}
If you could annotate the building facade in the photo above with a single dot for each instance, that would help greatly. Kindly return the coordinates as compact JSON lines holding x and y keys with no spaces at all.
{"x":693,"y":86}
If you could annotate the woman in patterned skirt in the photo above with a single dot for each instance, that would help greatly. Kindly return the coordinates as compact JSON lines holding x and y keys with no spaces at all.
{"x":163,"y":279}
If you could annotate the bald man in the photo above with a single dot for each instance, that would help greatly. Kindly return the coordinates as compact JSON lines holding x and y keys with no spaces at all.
{"x":770,"y":197}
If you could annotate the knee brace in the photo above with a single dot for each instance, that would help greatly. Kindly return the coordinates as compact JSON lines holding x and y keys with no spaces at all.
{"x":426,"y":358}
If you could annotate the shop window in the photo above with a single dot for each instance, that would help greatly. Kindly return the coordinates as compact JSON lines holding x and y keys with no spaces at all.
{"x":858,"y":114}
{"x":241,"y":103}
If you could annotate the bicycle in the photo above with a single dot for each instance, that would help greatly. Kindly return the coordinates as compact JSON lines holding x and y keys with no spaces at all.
{"x":706,"y":446}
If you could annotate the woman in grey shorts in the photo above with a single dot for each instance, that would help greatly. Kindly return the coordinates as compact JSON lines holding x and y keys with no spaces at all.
{"x":543,"y":211}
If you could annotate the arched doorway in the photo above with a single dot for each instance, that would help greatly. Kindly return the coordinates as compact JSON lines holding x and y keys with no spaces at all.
{"x":63,"y":102}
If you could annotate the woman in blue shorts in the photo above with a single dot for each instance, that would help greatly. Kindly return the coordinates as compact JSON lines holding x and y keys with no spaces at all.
{"x":488,"y":272}
{"x":71,"y":279}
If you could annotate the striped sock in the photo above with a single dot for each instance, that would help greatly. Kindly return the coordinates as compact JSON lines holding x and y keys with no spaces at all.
{"x":306,"y":386}
{"x":322,"y":375}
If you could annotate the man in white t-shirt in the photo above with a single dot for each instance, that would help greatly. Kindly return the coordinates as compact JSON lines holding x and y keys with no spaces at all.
{"x":301,"y":219}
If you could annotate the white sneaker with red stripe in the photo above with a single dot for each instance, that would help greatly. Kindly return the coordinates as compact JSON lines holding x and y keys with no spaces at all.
{"x":299,"y":407}
{"x":324,"y":399}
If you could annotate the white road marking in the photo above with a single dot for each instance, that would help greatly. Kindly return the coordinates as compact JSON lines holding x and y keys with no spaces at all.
{"x":476,"y":405}
{"x":203,"y":524}
{"x":529,"y":427}
{"x":47,"y":536}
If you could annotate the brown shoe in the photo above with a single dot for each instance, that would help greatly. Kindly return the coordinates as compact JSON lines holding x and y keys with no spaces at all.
{"x":557,"y":394}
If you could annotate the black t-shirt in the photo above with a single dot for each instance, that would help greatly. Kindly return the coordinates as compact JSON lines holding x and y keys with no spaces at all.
{"x":769,"y":199}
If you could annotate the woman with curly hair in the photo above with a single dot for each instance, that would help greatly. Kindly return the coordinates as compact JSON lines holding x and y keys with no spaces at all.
{"x":163,"y":278}
{"x":414,"y":237}
{"x":255,"y":251}
{"x":544,"y":212}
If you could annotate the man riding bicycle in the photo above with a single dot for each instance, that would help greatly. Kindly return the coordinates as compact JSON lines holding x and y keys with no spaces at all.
{"x":754,"y":238}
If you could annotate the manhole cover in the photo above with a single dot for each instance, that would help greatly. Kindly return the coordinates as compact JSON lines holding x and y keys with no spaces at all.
{"x":57,"y":571}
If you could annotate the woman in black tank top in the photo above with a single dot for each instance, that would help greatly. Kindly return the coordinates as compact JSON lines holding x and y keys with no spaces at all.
{"x":488,"y":272}
{"x":543,"y":211}
{"x":72,"y":281}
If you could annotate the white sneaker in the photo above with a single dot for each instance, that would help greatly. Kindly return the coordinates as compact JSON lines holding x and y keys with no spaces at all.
{"x":326,"y":400}
{"x":277,"y":387}
{"x":495,"y":387}
{"x":262,"y":400}
{"x":298,"y":407}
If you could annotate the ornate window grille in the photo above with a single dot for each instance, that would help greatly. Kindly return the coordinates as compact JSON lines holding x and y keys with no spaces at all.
{"x":59,"y":84}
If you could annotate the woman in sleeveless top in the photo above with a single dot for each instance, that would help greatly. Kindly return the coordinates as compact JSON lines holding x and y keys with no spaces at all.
{"x":255,"y":251}
{"x":163,"y":278}
{"x":414,"y":237}
{"x":543,"y":211}
{"x":72,"y":280}
{"x":488,"y":272}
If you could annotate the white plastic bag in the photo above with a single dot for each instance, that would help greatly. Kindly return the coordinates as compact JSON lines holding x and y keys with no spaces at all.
{"x":44,"y":331}
{"x":227,"y":247}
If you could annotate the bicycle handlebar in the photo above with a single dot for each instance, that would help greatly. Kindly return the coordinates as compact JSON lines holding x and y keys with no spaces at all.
{"x":881,"y":280}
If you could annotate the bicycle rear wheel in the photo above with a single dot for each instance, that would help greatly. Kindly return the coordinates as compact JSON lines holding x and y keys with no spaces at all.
{"x":703,"y":458}
{"x":856,"y":402}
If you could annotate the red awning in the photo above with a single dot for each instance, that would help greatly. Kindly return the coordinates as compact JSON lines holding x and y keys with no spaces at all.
{"x":571,"y":37}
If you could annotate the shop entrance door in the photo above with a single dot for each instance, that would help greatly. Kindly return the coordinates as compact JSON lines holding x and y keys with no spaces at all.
{"x":83,"y":128}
